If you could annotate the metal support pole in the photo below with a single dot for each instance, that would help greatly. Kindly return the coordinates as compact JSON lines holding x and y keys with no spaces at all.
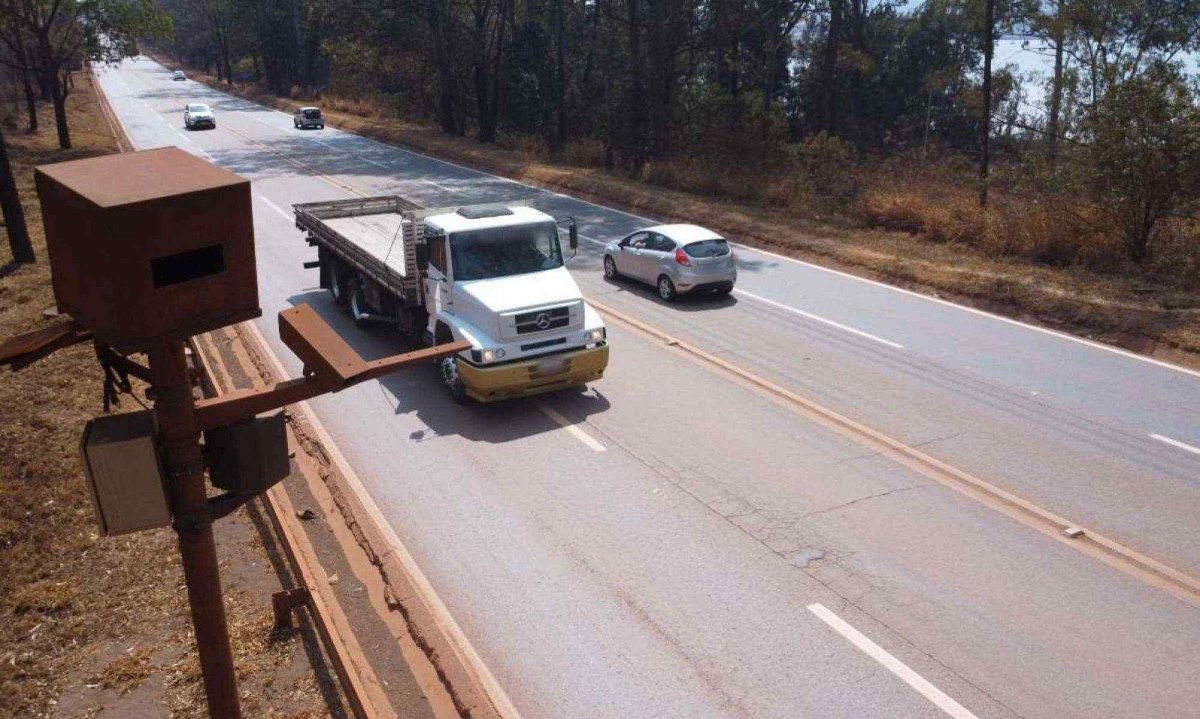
{"x":175,"y":410}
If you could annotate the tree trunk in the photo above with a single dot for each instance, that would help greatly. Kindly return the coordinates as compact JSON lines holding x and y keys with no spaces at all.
{"x":1056,"y":90}
{"x":637,"y":101}
{"x":827,"y":119}
{"x":985,"y":126}
{"x":60,"y":114}
{"x":487,"y":111}
{"x":560,"y":134}
{"x":14,"y":214}
{"x":443,"y":62}
{"x":26,"y":82}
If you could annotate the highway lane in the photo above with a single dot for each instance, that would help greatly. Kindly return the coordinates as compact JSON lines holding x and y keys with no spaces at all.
{"x":663,"y":571}
{"x":1094,"y":434}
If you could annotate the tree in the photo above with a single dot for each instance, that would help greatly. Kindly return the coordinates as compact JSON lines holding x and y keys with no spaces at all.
{"x":63,"y":34}
{"x":14,"y":214}
{"x":12,"y":36}
{"x":827,"y":117}
{"x":985,"y":125}
{"x":1145,"y":141}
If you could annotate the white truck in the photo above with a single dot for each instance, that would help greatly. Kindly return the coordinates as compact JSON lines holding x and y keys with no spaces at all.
{"x":494,"y":275}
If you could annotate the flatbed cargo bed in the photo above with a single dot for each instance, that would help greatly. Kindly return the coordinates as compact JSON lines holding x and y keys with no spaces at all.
{"x":375,"y":235}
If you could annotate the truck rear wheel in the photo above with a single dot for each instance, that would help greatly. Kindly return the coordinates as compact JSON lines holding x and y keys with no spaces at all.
{"x":339,"y":283}
{"x":358,"y":308}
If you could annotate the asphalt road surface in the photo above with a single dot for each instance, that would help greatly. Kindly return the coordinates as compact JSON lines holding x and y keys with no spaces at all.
{"x":674,"y":542}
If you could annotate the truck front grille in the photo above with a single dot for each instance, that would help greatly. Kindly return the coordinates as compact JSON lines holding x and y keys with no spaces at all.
{"x":544,"y":343}
{"x":543,"y":320}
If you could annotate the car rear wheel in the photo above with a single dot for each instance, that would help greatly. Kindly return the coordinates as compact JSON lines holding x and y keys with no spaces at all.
{"x":666,"y":289}
{"x":610,"y":268}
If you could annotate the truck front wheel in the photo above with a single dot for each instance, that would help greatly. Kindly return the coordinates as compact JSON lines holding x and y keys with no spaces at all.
{"x":448,"y":369}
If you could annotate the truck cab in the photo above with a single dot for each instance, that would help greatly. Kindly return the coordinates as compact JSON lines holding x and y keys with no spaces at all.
{"x":496,"y":276}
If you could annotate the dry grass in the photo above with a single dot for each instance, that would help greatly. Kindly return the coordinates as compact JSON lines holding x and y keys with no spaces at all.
{"x":77,"y":612}
{"x":908,"y":223}
{"x":126,"y":672}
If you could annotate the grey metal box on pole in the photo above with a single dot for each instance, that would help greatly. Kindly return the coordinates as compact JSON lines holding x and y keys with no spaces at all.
{"x":121,"y":460}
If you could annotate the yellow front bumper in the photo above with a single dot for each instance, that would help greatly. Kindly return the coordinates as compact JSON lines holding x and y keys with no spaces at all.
{"x":543,"y":374}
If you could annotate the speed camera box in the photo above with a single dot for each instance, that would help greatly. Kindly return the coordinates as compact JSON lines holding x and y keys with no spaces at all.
{"x":149,"y":246}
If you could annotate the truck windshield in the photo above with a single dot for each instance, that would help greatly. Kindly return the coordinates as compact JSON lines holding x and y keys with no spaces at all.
{"x":503,"y":251}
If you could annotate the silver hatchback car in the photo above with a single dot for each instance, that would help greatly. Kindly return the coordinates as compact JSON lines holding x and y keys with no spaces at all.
{"x":676,"y":259}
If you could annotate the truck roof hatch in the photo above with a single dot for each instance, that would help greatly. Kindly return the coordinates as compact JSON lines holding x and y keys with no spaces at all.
{"x":480,"y":212}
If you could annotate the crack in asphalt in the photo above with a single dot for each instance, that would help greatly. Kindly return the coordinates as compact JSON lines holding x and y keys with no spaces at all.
{"x":852,"y":502}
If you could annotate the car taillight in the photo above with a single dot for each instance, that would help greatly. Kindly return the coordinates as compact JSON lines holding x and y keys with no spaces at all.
{"x":682,"y":258}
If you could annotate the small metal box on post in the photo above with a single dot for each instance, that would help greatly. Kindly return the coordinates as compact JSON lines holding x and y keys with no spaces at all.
{"x":149,"y":247}
{"x":146,"y":250}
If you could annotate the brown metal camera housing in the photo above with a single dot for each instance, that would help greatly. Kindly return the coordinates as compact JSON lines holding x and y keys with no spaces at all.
{"x":149,"y":246}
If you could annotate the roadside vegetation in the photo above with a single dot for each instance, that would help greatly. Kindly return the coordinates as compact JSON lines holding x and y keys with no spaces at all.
{"x":1071,"y":195}
{"x":90,"y":623}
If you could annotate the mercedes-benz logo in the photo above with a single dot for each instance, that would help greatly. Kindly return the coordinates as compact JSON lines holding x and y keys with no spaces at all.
{"x":542,"y":321}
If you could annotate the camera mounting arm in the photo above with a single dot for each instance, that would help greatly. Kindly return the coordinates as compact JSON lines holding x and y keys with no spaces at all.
{"x":330,"y":365}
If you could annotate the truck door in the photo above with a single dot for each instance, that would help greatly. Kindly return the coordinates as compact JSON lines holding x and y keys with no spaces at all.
{"x":437,"y":279}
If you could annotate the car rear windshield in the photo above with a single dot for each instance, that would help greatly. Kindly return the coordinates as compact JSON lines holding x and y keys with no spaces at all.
{"x":707,"y":248}
{"x":312,"y":114}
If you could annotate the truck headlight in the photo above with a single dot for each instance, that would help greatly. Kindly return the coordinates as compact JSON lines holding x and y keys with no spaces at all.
{"x":596,"y":335}
{"x":487,"y":355}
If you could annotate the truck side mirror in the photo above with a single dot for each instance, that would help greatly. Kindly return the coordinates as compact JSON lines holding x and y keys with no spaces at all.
{"x":422,"y":253}
{"x":573,"y":231}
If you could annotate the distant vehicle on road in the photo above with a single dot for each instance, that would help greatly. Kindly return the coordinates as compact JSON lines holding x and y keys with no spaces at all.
{"x":308,"y":117}
{"x":178,"y":75}
{"x":494,"y":275}
{"x":198,"y":115}
{"x":676,"y":259}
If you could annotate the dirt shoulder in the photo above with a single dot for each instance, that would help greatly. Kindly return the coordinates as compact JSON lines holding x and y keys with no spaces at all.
{"x":1122,"y":311}
{"x":99,"y":627}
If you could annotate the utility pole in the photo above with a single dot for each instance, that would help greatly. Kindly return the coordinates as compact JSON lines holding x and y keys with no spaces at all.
{"x":14,"y":213}
{"x":985,"y":129}
{"x":171,"y":389}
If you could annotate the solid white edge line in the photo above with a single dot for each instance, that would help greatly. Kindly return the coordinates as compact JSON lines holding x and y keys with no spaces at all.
{"x":891,"y":663}
{"x":275,"y":207}
{"x":818,"y":318}
{"x":441,"y":614}
{"x":575,"y":430}
{"x":1176,"y":443}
